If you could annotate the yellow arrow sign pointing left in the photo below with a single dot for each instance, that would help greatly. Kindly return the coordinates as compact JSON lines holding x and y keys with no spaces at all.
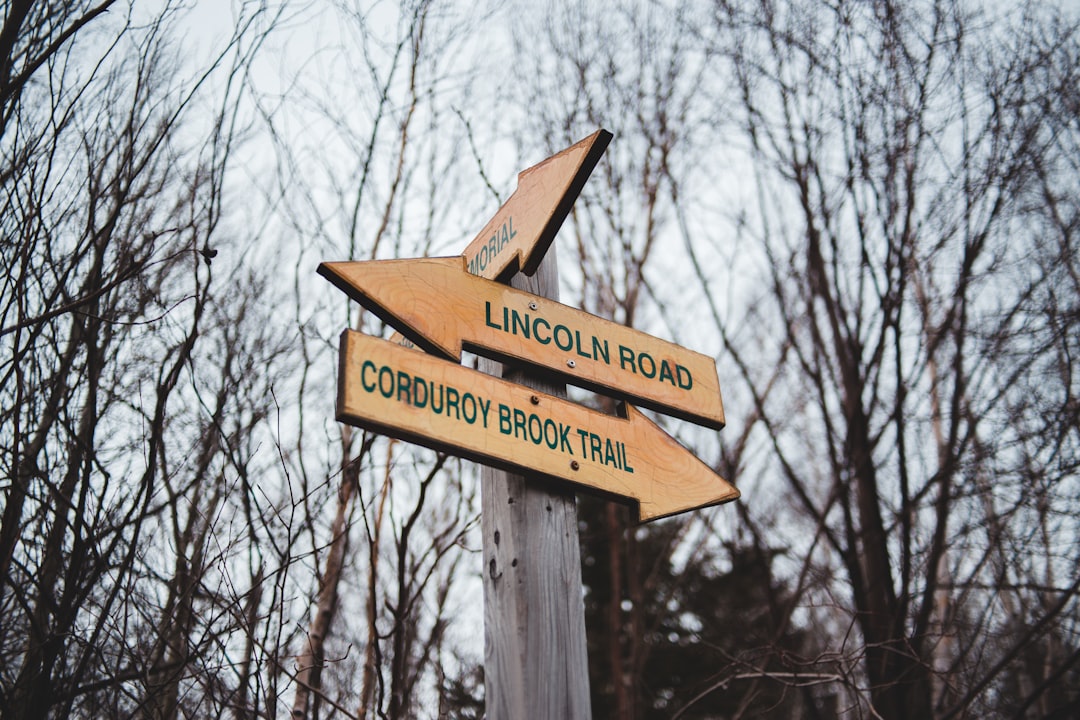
{"x":432,"y":402}
{"x":441,"y":308}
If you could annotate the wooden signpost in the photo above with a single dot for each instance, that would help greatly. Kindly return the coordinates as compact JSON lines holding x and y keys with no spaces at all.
{"x":535,"y":445}
{"x":536,"y":663}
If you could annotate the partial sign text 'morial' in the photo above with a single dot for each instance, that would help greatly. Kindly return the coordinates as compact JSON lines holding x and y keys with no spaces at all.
{"x":486,"y":253}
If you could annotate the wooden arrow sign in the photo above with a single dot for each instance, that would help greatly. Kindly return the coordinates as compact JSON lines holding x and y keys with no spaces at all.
{"x":424,"y":399}
{"x":437,"y":304}
{"x":520,"y":233}
{"x":523,"y":228}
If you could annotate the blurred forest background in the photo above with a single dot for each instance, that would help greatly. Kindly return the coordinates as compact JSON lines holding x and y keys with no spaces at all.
{"x":868,"y":211}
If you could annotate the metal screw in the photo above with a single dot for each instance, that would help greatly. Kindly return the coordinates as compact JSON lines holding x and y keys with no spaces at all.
{"x":532,"y":306}
{"x":534,"y":400}
{"x":574,"y":465}
{"x":571,"y":364}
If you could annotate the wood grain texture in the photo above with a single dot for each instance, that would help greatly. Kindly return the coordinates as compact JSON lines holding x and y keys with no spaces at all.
{"x":443,"y":308}
{"x":519,"y":234}
{"x":430,"y":401}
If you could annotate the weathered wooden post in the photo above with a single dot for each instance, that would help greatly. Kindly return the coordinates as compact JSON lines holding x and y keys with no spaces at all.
{"x":535,"y":659}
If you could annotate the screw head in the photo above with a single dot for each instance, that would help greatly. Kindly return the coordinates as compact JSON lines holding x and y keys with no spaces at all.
{"x":574,"y":465}
{"x":532,"y":306}
{"x":534,"y":400}
{"x":571,"y":364}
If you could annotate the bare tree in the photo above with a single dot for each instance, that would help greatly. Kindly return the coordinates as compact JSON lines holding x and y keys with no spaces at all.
{"x":901,"y":156}
{"x":121,"y":444}
{"x":866,"y":211}
{"x":633,"y":69}
{"x":393,"y":549}
{"x":872,"y":205}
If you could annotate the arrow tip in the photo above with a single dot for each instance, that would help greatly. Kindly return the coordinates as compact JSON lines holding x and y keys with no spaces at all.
{"x":584,"y":155}
{"x":409,"y":295}
{"x":680,"y":481}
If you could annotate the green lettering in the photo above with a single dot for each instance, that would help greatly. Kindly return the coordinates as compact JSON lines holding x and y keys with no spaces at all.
{"x":484,"y":407}
{"x":626,"y":355}
{"x":651,"y":372}
{"x":419,"y":384}
{"x":536,"y":335}
{"x":665,"y":372}
{"x":387,"y":388}
{"x":596,"y":447}
{"x":519,"y":322}
{"x":569,"y":343}
{"x":577,"y":338}
{"x":552,"y":438}
{"x":468,"y":401}
{"x":537,"y":437}
{"x":368,"y":365}
{"x":609,"y":454}
{"x":601,"y":350}
{"x":452,"y":399}
{"x":487,"y":316}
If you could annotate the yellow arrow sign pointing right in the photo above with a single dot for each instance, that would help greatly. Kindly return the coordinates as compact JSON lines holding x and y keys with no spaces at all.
{"x":432,"y":402}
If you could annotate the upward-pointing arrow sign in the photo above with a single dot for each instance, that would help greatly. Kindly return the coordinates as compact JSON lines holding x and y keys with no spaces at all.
{"x":441,"y":307}
{"x":520,"y":233}
{"x":523,"y":228}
